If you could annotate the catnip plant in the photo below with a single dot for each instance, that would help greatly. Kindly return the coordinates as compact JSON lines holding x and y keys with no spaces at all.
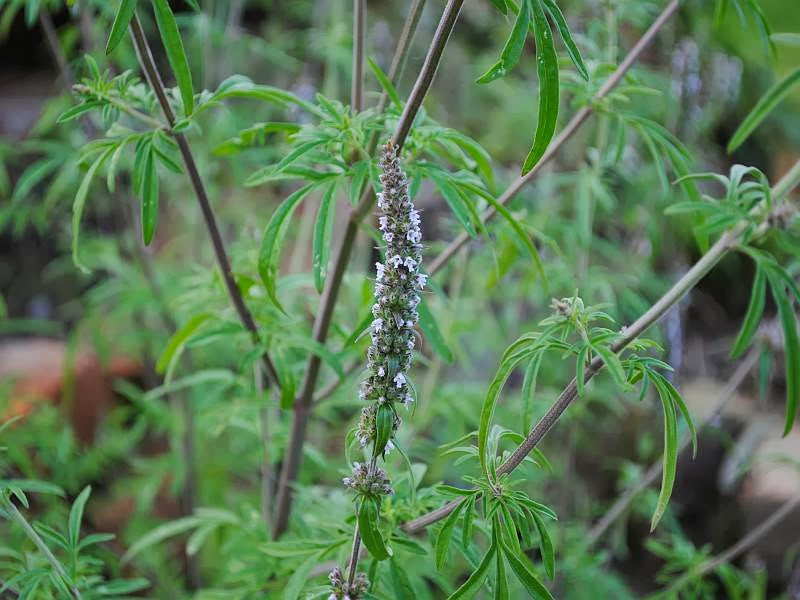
{"x":258,"y":363}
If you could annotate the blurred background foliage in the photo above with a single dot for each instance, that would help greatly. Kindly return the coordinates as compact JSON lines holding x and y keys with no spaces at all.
{"x":596,"y":213}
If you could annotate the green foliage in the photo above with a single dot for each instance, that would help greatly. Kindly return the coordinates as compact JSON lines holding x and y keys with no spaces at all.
{"x":592,"y":228}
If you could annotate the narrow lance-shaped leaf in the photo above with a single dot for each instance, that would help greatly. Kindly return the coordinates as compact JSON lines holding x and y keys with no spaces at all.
{"x":445,"y":536}
{"x":323,"y":230}
{"x":269,"y":253}
{"x":764,"y":106}
{"x":471,"y":585}
{"x":120,"y":25}
{"x":386,"y":83}
{"x":524,"y":572}
{"x":753,"y":316}
{"x":513,"y":48}
{"x":670,"y":458}
{"x":433,"y":334}
{"x":149,"y":200}
{"x":76,"y":516}
{"x":545,"y":545}
{"x":547,"y":68}
{"x":791,"y":345}
{"x":178,"y":340}
{"x":566,"y":36}
{"x":80,"y":202}
{"x":368,"y":514}
{"x":176,"y":55}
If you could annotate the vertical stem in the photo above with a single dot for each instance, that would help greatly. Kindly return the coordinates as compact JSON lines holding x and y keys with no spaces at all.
{"x":302,"y":404}
{"x":36,"y":539}
{"x":54,"y":45}
{"x":154,"y":78}
{"x":359,"y":35}
{"x":266,"y":463}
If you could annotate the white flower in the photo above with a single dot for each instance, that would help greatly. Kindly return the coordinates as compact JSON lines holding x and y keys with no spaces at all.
{"x":389,"y":447}
{"x":381,"y":372}
{"x":377,"y":325}
{"x":389,"y":237}
{"x":409,"y":323}
{"x":396,"y":260}
{"x":383,"y":221}
{"x":380,"y":271}
{"x":399,"y":380}
{"x":410,"y":344}
{"x":414,"y":236}
{"x":421,"y":280}
{"x":413,"y":215}
{"x":408,"y":400}
{"x":409,"y":263}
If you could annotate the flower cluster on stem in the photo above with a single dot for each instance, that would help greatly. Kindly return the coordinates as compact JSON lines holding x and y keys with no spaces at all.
{"x":398,"y":283}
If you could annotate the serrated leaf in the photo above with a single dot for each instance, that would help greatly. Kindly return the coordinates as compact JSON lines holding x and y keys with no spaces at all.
{"x":547,"y":69}
{"x":432,"y":333}
{"x":368,"y":515}
{"x":176,"y":55}
{"x":271,"y":242}
{"x":763,"y":107}
{"x":323,"y":231}
{"x":791,"y":344}
{"x":120,"y":25}
{"x":513,"y":48}
{"x":445,"y":536}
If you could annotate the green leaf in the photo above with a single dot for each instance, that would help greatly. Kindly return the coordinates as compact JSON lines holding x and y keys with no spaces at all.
{"x":469,"y":516}
{"x":300,"y":577}
{"x":323,"y":230}
{"x":161,"y":533}
{"x":171,"y":38}
{"x":791,"y":343}
{"x":670,"y":458}
{"x":473,"y":583}
{"x":520,"y":232}
{"x":501,"y":583}
{"x":31,"y":485}
{"x":515,"y":353}
{"x":384,"y":427}
{"x":76,"y":516}
{"x":149,"y":195}
{"x":178,"y":340}
{"x":454,"y":200}
{"x":386,"y":83}
{"x":524,"y":571}
{"x":547,"y":68}
{"x":80,"y":202}
{"x":368,"y":515}
{"x":545,"y":545}
{"x":753,"y":316}
{"x":768,"y":101}
{"x":271,"y":243}
{"x":612,"y":363}
{"x":78,"y":110}
{"x":513,"y":48}
{"x":433,"y":334}
{"x":445,"y":535}
{"x":120,"y":26}
{"x":270,"y":171}
{"x":566,"y":36}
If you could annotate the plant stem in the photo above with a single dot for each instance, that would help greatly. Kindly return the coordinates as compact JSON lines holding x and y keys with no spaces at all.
{"x":654,"y":472}
{"x":266,"y":462}
{"x":36,"y":539}
{"x":302,"y":404}
{"x":565,"y":134}
{"x":725,"y":244}
{"x":359,"y":34}
{"x":742,"y":545}
{"x":154,"y":78}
